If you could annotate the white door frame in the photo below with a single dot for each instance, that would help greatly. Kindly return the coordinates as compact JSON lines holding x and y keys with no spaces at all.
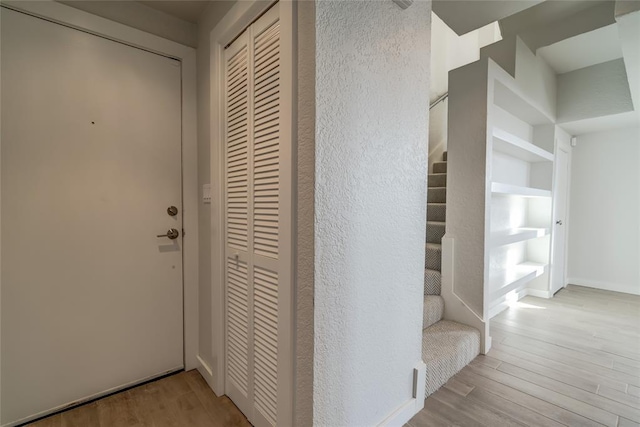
{"x":241,"y":15}
{"x":562,"y":142}
{"x":74,"y":18}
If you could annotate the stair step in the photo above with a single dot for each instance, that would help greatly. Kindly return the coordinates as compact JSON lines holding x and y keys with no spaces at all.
{"x":437,"y":180}
{"x":447,"y":347}
{"x":437,"y":195}
{"x":432,"y":311}
{"x":433,"y":256}
{"x":440,"y":167}
{"x":432,"y":282}
{"x":436,"y":211}
{"x":435,"y":231}
{"x":444,"y":156}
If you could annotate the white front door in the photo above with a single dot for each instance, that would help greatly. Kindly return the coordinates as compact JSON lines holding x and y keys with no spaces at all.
{"x":91,"y":162}
{"x":560,"y":219}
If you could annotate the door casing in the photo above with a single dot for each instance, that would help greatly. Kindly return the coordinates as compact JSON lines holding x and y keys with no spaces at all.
{"x":83,"y":21}
{"x":561,"y":145}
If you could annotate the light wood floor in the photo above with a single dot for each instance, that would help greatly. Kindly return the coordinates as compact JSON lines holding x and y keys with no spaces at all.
{"x":572,"y":360}
{"x":181,"y":400}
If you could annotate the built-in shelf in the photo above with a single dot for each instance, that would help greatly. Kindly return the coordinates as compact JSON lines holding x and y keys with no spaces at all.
{"x":515,"y":235}
{"x":512,"y":145}
{"x":501,"y":282}
{"x":516,"y":190}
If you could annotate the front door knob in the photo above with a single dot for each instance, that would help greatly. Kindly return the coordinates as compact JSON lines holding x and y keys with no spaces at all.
{"x":172,"y":233}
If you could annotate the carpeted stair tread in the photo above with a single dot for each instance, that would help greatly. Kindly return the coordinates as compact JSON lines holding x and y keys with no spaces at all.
{"x":432,"y":282}
{"x":433,"y":256}
{"x":440,"y":167}
{"x":437,"y":180}
{"x":436,"y":211}
{"x":432,"y":311}
{"x":437,"y":195}
{"x":447,"y":347}
{"x":444,"y":156}
{"x":435,"y":231}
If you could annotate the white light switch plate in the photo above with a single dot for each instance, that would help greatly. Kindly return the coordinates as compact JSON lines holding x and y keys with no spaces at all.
{"x":206,"y":193}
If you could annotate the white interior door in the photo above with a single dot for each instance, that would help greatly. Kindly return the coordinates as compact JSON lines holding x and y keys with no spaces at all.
{"x":91,"y":161}
{"x":257,"y":216}
{"x":559,"y":231}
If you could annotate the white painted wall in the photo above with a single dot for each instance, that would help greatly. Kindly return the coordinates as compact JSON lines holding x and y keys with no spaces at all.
{"x":536,"y":79}
{"x":142,"y":17}
{"x":448,"y":52}
{"x":305,"y":255}
{"x":595,"y":91}
{"x":604,"y":219}
{"x":372,"y":85}
{"x":213,"y":13}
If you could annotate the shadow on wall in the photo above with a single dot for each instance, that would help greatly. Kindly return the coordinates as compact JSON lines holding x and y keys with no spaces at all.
{"x":437,"y":132}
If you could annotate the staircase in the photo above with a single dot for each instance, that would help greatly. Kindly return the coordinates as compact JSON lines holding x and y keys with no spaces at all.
{"x":447,"y":346}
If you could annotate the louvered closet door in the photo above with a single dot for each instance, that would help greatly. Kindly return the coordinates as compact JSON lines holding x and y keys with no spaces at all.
{"x":257,"y":276}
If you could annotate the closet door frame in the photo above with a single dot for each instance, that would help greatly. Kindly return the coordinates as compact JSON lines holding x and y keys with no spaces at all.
{"x":239,"y":18}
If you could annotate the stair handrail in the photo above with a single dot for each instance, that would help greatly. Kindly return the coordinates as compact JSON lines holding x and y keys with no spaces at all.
{"x":439,"y":100}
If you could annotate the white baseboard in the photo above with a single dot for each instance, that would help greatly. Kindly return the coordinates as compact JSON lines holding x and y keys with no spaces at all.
{"x":539,"y":293}
{"x":206,"y":372}
{"x":615,"y":287}
{"x":407,"y":410}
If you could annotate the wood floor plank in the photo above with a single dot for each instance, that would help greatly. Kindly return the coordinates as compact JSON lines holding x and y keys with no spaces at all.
{"x":528,"y":401}
{"x":618,"y":396}
{"x":567,"y":367}
{"x":117,"y":410}
{"x":517,"y":412}
{"x":627,"y":423}
{"x":478,"y":412}
{"x":590,"y":348}
{"x":53,"y":421}
{"x":454,"y":417}
{"x":220,"y":409}
{"x":487,"y":361}
{"x":83,"y":416}
{"x":588,"y":384}
{"x":569,"y":357}
{"x":458,"y":387}
{"x":180,"y":400}
{"x":429,"y":418}
{"x":611,"y":407}
{"x":570,"y":404}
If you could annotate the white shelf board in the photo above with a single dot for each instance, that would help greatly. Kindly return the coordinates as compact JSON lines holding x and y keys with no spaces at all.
{"x":512,"y":145}
{"x":504,"y":281}
{"x":516,"y":190}
{"x":515,"y":235}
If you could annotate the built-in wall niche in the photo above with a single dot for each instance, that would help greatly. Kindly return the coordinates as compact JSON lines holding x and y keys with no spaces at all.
{"x":520,"y":146}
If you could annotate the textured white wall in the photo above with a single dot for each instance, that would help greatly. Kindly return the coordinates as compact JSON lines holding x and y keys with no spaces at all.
{"x":604,"y":221}
{"x":372,"y":88}
{"x":595,"y":91}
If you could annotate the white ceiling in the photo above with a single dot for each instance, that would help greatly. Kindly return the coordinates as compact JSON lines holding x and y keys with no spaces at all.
{"x":602,"y":124}
{"x":595,"y":47}
{"x":463,"y":16}
{"x":187,"y":10}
